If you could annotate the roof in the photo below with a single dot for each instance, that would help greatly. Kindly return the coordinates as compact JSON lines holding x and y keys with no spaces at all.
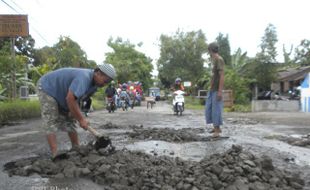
{"x":292,"y":74}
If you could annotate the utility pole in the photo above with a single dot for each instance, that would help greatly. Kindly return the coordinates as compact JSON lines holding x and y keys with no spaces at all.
{"x":14,"y":68}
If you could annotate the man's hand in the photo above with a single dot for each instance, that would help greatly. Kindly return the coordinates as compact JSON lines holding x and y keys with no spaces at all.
{"x":84,"y":124}
{"x":219,"y":96}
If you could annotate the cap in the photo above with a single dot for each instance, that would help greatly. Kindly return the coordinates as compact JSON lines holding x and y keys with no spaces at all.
{"x":108,"y":69}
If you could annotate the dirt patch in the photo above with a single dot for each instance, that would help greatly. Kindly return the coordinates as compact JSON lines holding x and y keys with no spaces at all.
{"x":123,"y":169}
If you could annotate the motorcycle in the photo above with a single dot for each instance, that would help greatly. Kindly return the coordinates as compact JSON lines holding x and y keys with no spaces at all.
{"x":178,"y":102}
{"x":138,"y":99}
{"x":124,"y":100}
{"x":111,"y":107}
{"x":123,"y":103}
{"x":85,"y":105}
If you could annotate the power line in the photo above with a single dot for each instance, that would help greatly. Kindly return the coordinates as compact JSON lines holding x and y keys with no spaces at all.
{"x":17,"y":5}
{"x":10,"y":6}
{"x":34,"y":29}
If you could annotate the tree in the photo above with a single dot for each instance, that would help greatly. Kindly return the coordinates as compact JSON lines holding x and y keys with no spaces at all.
{"x":45,"y":55}
{"x":265,"y":71}
{"x":286,"y":55}
{"x":13,"y":69}
{"x":302,"y":53}
{"x":268,"y":45}
{"x":130,"y":64}
{"x":69,"y":53}
{"x":224,"y":50}
{"x":239,"y":60}
{"x":181,"y":56}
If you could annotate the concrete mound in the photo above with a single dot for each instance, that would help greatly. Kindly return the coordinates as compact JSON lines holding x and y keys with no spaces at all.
{"x":122,"y":169}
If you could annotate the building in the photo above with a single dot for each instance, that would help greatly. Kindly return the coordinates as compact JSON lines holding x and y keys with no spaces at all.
{"x":289,"y":79}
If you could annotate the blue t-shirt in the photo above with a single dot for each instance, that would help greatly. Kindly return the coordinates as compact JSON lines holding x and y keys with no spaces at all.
{"x":58,"y":83}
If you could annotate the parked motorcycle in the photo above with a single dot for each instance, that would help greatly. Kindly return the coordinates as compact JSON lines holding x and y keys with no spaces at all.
{"x":178,"y":102}
{"x":111,"y":107}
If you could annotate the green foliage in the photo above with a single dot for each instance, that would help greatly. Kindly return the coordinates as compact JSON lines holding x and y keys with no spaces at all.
{"x":25,"y":47}
{"x":264,"y":68}
{"x":286,"y":55}
{"x":193,"y":103}
{"x":17,"y":110}
{"x":239,"y":108}
{"x":239,"y":85}
{"x":238,"y":61}
{"x":69,"y":53}
{"x":98,"y":104}
{"x":302,"y":52}
{"x":224,"y":50}
{"x":181,"y":56}
{"x":130,"y":64}
{"x":268,"y":45}
{"x":264,"y":72}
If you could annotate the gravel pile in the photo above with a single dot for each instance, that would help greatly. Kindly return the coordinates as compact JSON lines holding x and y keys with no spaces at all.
{"x":168,"y":134}
{"x":235,"y":169}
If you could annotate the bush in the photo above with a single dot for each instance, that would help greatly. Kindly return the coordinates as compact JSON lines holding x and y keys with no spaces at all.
{"x":17,"y":110}
{"x":239,"y":108}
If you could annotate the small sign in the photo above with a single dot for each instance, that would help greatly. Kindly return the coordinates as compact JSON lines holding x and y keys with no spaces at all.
{"x":14,"y":26}
{"x":187,"y":84}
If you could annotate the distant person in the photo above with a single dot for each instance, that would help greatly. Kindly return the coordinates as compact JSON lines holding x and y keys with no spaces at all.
{"x":214,"y":102}
{"x":110,"y":91}
{"x":178,"y":85}
{"x":60,"y":91}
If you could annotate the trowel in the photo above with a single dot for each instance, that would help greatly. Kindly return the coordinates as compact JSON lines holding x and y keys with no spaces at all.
{"x":101,"y":142}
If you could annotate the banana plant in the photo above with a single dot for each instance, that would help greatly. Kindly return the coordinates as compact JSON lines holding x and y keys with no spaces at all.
{"x":2,"y":97}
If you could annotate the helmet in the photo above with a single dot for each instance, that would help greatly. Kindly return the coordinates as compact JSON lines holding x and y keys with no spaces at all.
{"x":124,"y":85}
{"x":214,"y":47}
{"x":108,"y":69}
{"x":178,"y":80}
{"x":112,"y":82}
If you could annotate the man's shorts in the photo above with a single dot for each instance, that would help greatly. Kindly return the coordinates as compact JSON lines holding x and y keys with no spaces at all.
{"x":53,"y":119}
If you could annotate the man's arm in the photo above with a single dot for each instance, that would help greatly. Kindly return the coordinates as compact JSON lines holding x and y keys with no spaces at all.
{"x":221,"y":82}
{"x":75,"y":110}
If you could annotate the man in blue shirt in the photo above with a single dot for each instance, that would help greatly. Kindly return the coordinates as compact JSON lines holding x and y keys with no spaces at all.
{"x":59,"y":93}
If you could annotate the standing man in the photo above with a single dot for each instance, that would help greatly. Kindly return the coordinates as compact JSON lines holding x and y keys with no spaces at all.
{"x":59,"y":93}
{"x":214,"y":102}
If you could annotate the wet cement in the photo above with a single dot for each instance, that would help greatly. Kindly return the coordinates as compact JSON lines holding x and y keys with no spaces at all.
{"x":246,"y":130}
{"x":123,"y":169}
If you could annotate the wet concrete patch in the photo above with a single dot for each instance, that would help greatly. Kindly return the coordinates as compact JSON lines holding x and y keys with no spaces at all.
{"x":295,"y":140}
{"x":124,"y":169}
{"x":169,"y":134}
{"x":241,"y":121}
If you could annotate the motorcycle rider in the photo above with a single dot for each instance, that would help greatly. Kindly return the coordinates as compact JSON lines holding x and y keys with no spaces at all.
{"x":124,"y":94}
{"x":177,"y":86}
{"x":110,"y":91}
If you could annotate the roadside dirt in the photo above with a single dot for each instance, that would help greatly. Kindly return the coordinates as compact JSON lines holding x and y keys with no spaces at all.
{"x":158,"y":150}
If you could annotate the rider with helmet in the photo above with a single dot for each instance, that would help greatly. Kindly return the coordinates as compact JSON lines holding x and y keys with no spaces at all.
{"x":178,"y":85}
{"x":110,"y":92}
{"x":124,"y":94}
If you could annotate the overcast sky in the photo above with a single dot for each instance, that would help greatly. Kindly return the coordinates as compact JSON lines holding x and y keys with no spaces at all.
{"x":90,"y":23}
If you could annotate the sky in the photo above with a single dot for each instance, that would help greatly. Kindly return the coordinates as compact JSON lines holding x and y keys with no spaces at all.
{"x":91,"y":23}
